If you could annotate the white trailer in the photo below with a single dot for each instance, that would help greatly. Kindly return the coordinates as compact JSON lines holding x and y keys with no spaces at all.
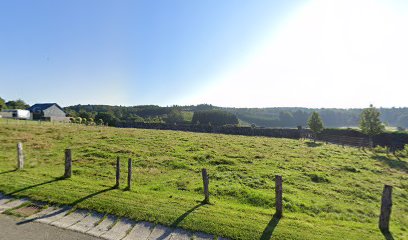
{"x":15,"y":113}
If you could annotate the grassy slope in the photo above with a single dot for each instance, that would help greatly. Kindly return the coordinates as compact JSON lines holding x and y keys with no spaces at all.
{"x":342,"y":204}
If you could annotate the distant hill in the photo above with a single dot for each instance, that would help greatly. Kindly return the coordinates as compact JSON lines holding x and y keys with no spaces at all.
{"x":332,"y":117}
{"x":261,"y":117}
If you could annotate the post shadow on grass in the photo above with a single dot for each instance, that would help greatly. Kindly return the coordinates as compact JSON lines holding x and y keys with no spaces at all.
{"x":176,"y":222}
{"x":270,"y":228}
{"x":184,"y":215}
{"x":35,"y":185}
{"x":78,"y":201}
{"x":9,"y":171}
{"x":387,"y":235}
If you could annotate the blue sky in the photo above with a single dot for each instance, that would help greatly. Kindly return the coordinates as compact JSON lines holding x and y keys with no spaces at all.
{"x":229,"y":53}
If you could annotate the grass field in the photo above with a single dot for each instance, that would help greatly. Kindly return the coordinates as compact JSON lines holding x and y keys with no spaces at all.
{"x":330,"y":192}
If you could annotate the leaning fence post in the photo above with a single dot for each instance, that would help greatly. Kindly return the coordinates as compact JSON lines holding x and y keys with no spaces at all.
{"x":129,"y":174}
{"x":20,"y":156}
{"x":386,"y":205}
{"x":117,"y":172}
{"x":278,"y":195}
{"x":205,"y":183}
{"x":68,"y":163}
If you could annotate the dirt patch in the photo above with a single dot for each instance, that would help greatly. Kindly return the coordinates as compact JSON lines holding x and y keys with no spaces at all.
{"x":27,"y":211}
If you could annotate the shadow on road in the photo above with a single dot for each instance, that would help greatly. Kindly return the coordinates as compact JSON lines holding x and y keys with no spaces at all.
{"x":65,"y":208}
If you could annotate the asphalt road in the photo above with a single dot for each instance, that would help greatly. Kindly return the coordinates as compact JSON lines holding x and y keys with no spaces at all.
{"x":10,"y":230}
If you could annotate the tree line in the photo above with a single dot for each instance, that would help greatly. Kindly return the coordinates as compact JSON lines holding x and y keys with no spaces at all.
{"x":13,"y":104}
{"x":121,"y":116}
{"x":370,"y":123}
{"x":292,"y":117}
{"x":260,"y":117}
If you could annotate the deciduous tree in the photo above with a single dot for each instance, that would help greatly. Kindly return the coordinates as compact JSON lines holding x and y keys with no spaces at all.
{"x":18,"y":104}
{"x":370,"y":123}
{"x":315,"y":124}
{"x":2,"y":104}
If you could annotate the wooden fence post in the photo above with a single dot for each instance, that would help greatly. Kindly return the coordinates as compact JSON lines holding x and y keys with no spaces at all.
{"x":129,"y":174}
{"x":386,"y":205}
{"x":205,"y":183}
{"x":278,"y":195}
{"x":68,"y":163}
{"x":117,"y":172}
{"x":20,"y":156}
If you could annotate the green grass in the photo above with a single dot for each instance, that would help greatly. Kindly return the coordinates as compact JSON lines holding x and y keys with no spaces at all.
{"x":330,"y":192}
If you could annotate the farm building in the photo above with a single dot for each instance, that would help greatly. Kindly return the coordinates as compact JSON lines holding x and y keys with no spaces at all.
{"x":15,"y":113}
{"x":47,"y":112}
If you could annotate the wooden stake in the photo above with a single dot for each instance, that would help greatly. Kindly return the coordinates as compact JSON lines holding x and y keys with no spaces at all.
{"x":386,"y":205}
{"x":68,"y":163}
{"x":278,"y":195}
{"x":117,"y":172}
{"x":20,"y":156}
{"x":129,"y":174}
{"x":205,"y":183}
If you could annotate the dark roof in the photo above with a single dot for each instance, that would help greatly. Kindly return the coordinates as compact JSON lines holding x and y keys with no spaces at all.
{"x":42,"y":106}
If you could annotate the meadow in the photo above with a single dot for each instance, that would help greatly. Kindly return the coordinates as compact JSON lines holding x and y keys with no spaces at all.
{"x":329,"y":191}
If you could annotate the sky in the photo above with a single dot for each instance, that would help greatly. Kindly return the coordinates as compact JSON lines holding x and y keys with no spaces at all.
{"x":232,"y":53}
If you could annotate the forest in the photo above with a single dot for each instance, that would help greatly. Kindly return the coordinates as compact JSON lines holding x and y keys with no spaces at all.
{"x":278,"y":117}
{"x":260,"y":117}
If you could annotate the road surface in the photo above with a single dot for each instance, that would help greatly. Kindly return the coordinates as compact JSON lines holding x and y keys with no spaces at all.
{"x":10,"y":230}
